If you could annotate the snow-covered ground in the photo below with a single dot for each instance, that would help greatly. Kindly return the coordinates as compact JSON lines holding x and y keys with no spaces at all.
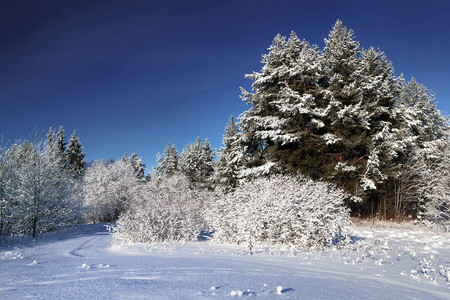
{"x":383,"y":263}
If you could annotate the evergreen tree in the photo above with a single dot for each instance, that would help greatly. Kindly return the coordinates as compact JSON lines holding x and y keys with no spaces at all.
{"x":421,"y":114}
{"x":340,"y":58}
{"x":228,"y":157}
{"x":197,"y":162}
{"x":50,"y":142}
{"x":285,"y":109}
{"x":167,"y":164}
{"x":340,"y":115}
{"x":75,"y":155}
{"x":369,"y":122}
{"x":345,"y":121}
{"x":136,"y":163}
{"x":418,"y":126}
{"x":160,"y":164}
{"x":60,"y":141}
{"x":171,"y":155}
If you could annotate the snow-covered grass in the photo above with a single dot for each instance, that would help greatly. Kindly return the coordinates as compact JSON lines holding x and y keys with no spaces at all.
{"x":383,"y":262}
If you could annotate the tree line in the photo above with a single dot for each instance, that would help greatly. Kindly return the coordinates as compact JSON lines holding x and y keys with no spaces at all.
{"x":325,"y":121}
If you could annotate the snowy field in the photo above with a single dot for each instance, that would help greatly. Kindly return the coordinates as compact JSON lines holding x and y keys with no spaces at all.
{"x":383,"y":263}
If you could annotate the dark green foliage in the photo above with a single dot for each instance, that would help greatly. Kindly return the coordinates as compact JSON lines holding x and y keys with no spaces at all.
{"x":339,"y":114}
{"x":60,"y":141}
{"x":137,"y":164}
{"x":75,"y":155}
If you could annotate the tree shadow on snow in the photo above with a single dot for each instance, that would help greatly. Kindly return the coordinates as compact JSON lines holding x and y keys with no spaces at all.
{"x":65,"y":234}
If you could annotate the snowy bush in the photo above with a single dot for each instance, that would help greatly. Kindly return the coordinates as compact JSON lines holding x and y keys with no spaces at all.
{"x":109,"y":189}
{"x":171,"y":211}
{"x":281,"y":210}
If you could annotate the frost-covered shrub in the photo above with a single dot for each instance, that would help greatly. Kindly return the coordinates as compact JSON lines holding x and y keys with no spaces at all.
{"x":109,"y":189}
{"x":171,"y":211}
{"x":281,"y":210}
{"x":38,"y":193}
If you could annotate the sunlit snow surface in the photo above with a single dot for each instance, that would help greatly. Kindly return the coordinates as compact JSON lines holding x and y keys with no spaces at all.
{"x":383,"y":263}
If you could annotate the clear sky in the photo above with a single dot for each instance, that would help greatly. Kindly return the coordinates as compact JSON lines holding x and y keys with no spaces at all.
{"x":130,"y":76}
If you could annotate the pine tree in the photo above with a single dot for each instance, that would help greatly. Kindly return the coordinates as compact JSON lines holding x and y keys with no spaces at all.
{"x":285,"y":110}
{"x":160,"y":164}
{"x":75,"y":155}
{"x":427,"y":121}
{"x":340,"y":95}
{"x":167,"y":164}
{"x":340,"y":56}
{"x":418,"y":126}
{"x":370,"y":121}
{"x":136,"y":163}
{"x":60,"y":141}
{"x":339,"y":114}
{"x":197,"y":162}
{"x":50,"y":142}
{"x":171,"y":155}
{"x":228,"y":157}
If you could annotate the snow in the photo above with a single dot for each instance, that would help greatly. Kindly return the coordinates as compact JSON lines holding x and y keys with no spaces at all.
{"x":384,"y":262}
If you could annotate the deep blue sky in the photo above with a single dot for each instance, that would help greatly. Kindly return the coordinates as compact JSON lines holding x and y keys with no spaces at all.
{"x":130,"y":76}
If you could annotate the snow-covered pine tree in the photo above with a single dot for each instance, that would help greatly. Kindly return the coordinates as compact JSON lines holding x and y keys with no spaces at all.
{"x":53,"y":148}
{"x":197,"y":162}
{"x":421,"y":115}
{"x":299,"y":103}
{"x":75,"y":155}
{"x":229,"y":157}
{"x":340,"y":115}
{"x":366,"y":125}
{"x":160,"y":167}
{"x":50,"y":143}
{"x":167,"y":164}
{"x":60,"y":141}
{"x":284,"y":106}
{"x":136,"y":163}
{"x":419,"y":125}
{"x":260,"y":124}
{"x":346,"y":120}
{"x":340,"y":58}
